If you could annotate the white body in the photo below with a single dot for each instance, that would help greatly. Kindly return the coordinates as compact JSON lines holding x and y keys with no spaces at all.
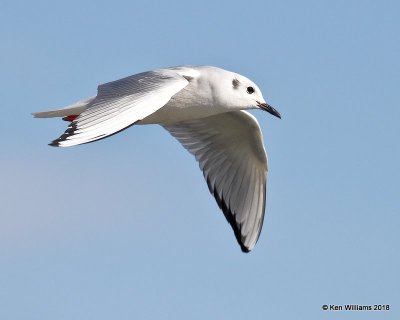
{"x":192,"y":102}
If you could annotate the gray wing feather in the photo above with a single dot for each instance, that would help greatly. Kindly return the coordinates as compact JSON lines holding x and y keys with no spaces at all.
{"x":231,"y":154}
{"x":121,"y":103}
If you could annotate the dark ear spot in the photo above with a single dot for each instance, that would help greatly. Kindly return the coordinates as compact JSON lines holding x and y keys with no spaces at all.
{"x":235,"y":83}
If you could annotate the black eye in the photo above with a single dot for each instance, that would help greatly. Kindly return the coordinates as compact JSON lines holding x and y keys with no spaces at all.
{"x":250,"y":90}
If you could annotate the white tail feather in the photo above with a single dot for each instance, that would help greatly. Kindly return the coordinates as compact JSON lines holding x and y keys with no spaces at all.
{"x":73,"y":109}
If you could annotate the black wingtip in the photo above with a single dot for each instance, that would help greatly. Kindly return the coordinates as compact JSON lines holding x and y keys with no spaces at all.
{"x":244,"y":249}
{"x":68,"y":132}
{"x":229,"y":217}
{"x":54,"y":143}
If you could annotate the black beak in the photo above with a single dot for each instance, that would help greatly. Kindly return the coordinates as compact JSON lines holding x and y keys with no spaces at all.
{"x":268,"y":108}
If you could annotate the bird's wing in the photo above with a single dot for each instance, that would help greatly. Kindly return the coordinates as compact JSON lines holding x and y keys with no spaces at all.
{"x":231,"y":154}
{"x":120,"y":104}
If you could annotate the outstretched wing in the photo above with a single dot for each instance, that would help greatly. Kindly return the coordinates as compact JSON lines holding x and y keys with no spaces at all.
{"x":120,"y":104}
{"x":231,"y":154}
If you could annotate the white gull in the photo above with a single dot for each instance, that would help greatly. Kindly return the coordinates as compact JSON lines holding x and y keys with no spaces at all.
{"x":203,"y":107}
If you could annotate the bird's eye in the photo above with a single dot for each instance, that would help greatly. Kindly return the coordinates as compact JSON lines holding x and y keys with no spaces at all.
{"x":250,"y":90}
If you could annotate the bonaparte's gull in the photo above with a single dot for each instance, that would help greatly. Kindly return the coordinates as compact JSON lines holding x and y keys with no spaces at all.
{"x":203,"y":107}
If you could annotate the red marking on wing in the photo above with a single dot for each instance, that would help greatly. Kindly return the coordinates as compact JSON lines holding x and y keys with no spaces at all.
{"x":70,"y":118}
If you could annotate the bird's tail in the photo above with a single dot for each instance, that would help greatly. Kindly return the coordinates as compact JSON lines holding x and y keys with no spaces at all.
{"x":68,"y":113}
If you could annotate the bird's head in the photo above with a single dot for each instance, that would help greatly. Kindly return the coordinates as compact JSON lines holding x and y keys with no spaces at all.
{"x":238,"y":92}
{"x":248,"y":95}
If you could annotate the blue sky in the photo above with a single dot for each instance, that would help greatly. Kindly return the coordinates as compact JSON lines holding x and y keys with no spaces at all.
{"x":125,"y":228}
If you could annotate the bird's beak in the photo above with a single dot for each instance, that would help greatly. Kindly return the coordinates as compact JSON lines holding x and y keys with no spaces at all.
{"x":266,"y":107}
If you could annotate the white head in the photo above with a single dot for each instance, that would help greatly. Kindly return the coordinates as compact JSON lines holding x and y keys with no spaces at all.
{"x":236,"y":91}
